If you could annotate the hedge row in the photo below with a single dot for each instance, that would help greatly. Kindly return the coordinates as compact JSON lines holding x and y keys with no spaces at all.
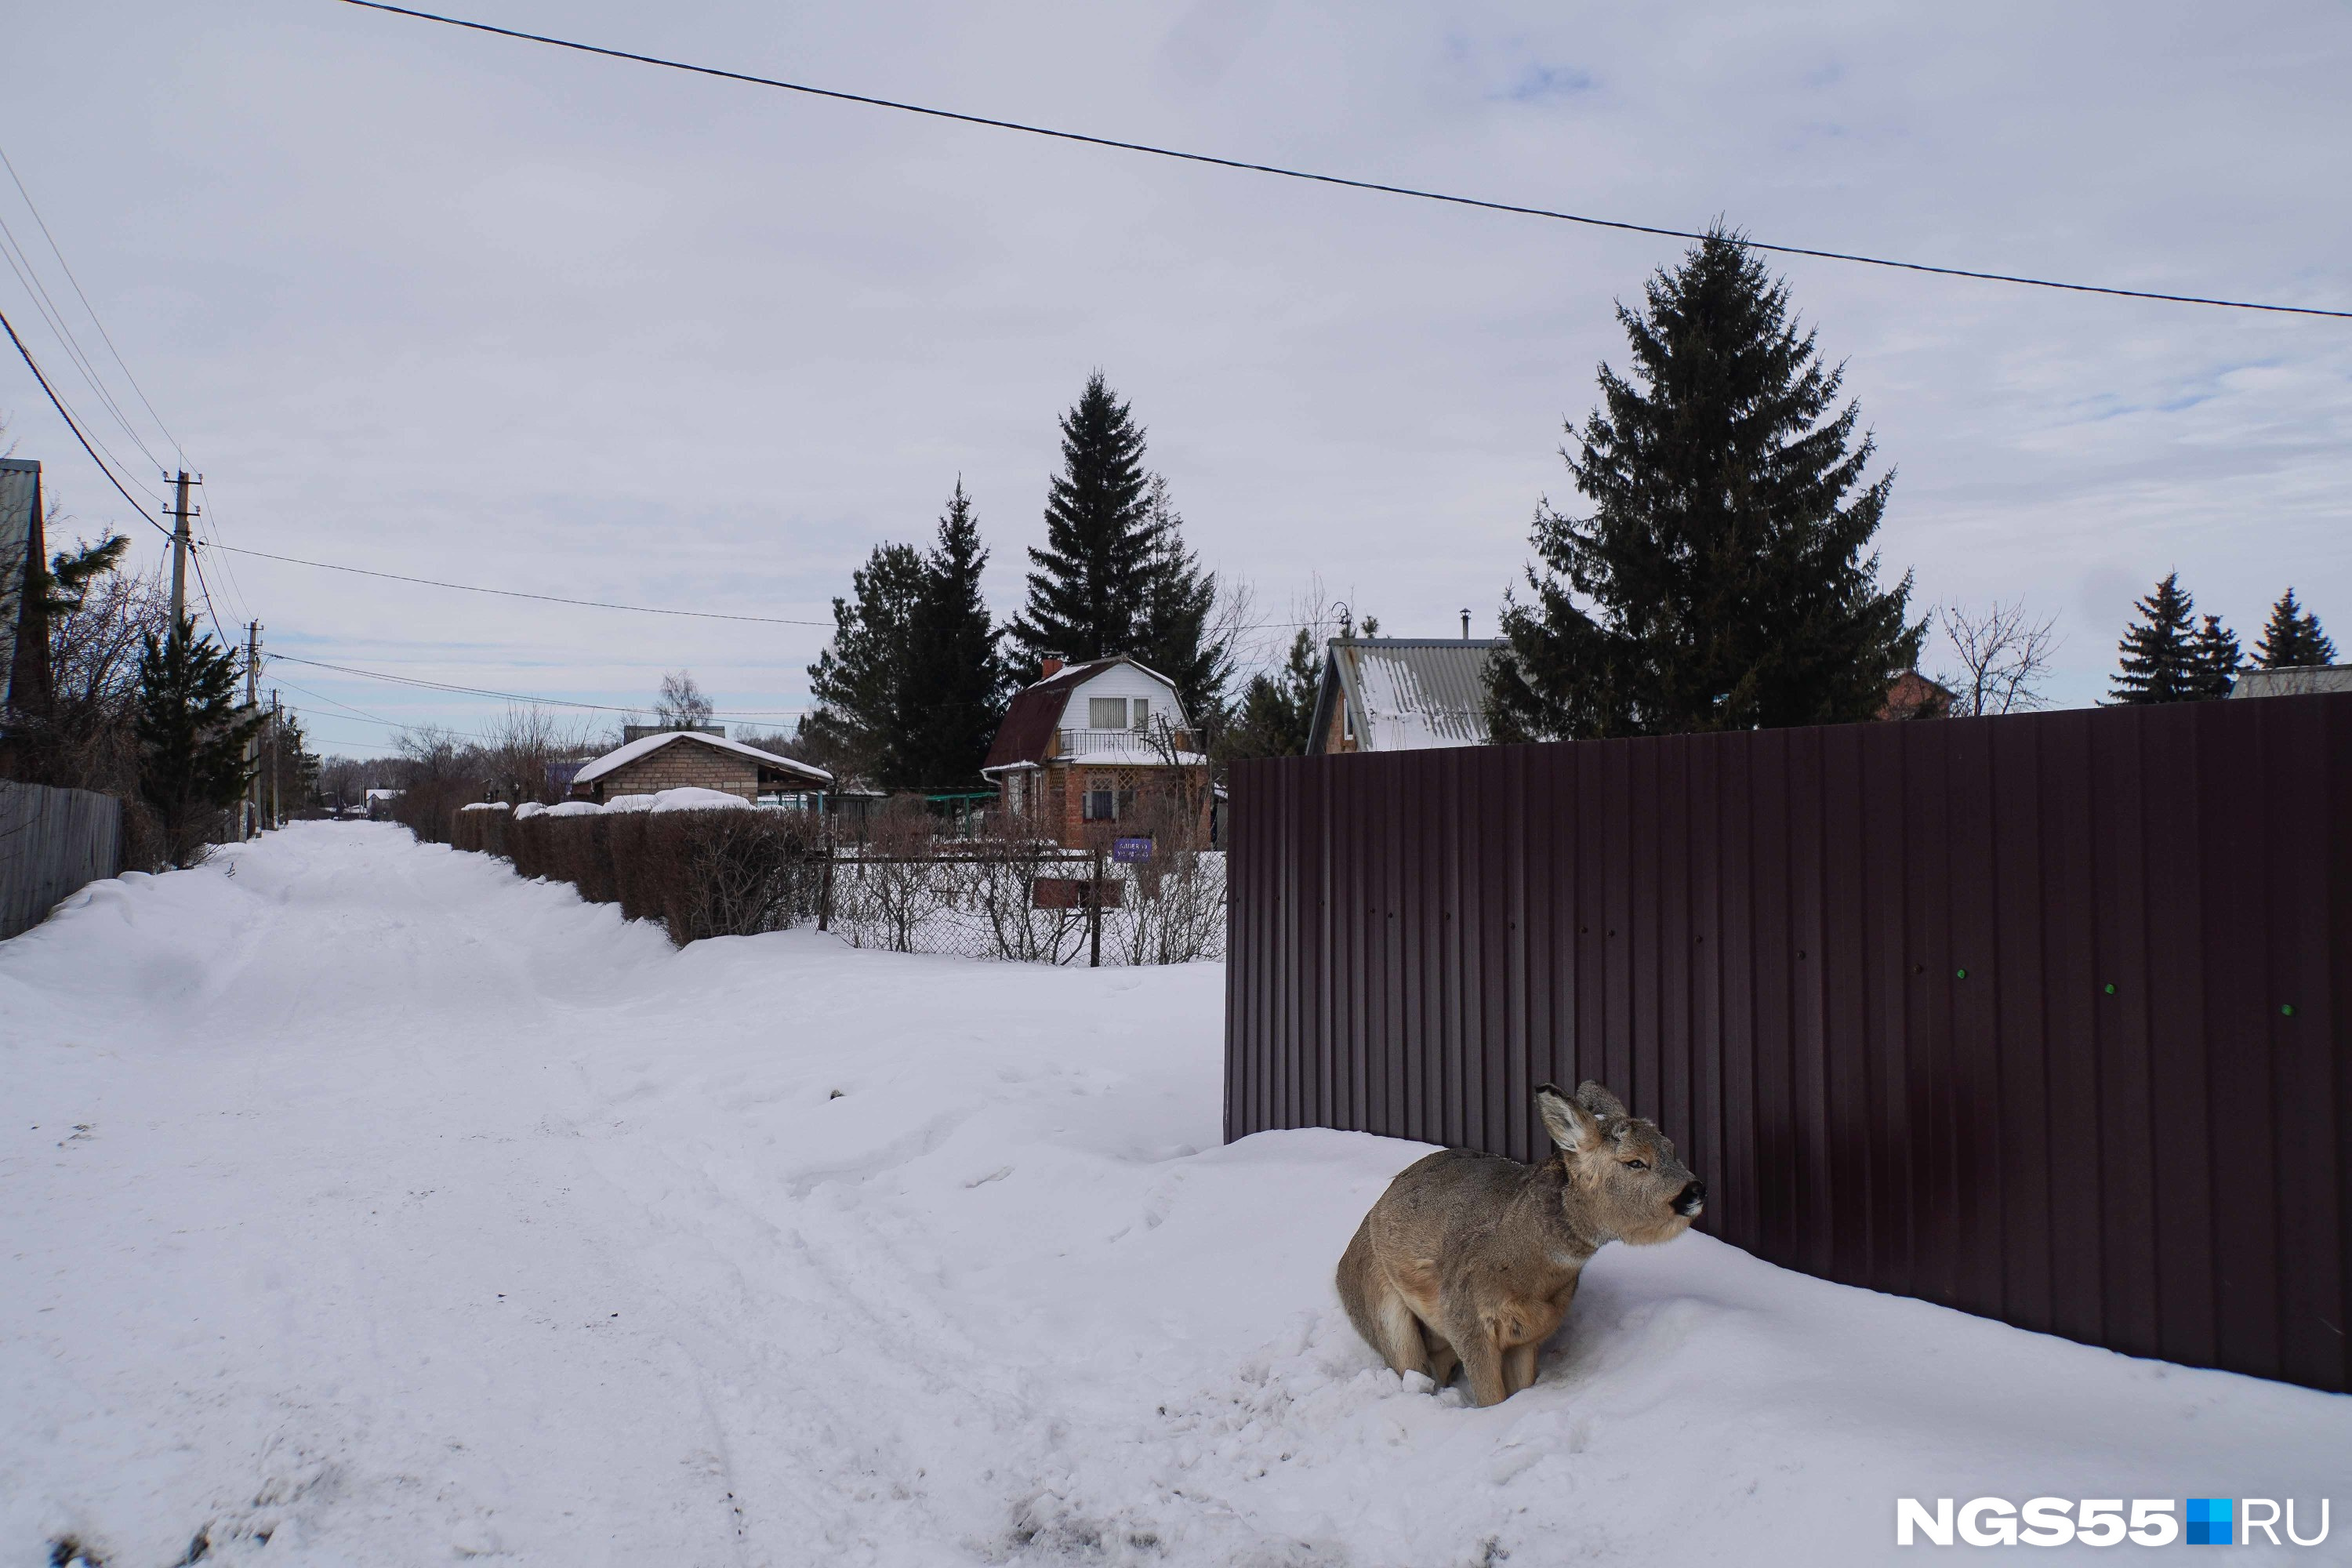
{"x":700,"y":873}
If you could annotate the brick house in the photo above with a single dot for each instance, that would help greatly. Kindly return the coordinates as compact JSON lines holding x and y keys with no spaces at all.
{"x":1089,"y":746}
{"x":680,"y":759}
{"x":1401,"y":694}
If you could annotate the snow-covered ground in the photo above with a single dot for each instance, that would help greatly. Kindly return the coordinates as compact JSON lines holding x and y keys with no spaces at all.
{"x":360,"y":1195}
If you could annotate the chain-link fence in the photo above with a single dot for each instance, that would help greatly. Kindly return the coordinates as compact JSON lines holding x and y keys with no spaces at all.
{"x":1032,"y":903}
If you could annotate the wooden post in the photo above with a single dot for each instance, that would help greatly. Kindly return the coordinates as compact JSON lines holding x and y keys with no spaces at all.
{"x":1093,"y":911}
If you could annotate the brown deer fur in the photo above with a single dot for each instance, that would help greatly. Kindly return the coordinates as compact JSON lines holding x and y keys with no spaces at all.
{"x":1471,"y":1259}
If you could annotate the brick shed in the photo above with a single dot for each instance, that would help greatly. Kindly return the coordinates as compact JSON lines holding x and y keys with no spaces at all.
{"x":681,"y":759}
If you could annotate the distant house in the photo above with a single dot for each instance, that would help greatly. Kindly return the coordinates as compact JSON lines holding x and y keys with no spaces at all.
{"x":1089,"y":746}
{"x":1401,"y":694}
{"x":1912,"y":696}
{"x":2295,"y":682}
{"x":680,"y":759}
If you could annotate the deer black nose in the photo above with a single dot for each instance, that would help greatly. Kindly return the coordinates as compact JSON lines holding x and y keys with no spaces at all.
{"x":1691,"y":1199}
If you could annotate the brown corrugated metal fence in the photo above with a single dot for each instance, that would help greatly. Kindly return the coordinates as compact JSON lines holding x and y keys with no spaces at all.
{"x":2042,"y":1017}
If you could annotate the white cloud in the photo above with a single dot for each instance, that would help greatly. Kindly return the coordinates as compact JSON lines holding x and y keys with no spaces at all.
{"x":457,"y":306}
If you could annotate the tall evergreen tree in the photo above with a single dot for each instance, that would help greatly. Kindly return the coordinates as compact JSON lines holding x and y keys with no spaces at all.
{"x":1176,"y":634}
{"x":2161,"y":660}
{"x":1277,"y":709}
{"x":857,"y":679}
{"x":952,"y":691}
{"x":1720,"y":579}
{"x":1089,"y":587}
{"x":2292,"y":638}
{"x":192,"y":735}
{"x":2215,"y":654}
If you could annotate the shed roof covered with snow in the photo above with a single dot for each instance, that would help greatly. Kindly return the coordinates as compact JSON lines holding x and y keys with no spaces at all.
{"x":1401,"y":694}
{"x":645,"y":746}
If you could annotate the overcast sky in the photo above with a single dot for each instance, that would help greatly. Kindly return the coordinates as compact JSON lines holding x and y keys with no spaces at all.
{"x":445,"y":304}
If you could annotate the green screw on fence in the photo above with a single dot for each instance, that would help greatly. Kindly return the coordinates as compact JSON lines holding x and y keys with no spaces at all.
{"x":2111,"y":990}
{"x":2286,"y":1009}
{"x":1960,"y":974}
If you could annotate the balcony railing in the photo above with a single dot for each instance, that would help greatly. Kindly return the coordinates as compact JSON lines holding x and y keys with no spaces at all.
{"x":1142,"y":746}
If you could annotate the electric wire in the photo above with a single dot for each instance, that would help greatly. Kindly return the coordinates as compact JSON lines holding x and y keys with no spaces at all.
{"x":58,"y":404}
{"x":1375,"y":185}
{"x":521,"y":696}
{"x":20,"y":262}
{"x":518,"y":594}
{"x":73,"y":356}
{"x":197,"y":561}
{"x":108,"y":337}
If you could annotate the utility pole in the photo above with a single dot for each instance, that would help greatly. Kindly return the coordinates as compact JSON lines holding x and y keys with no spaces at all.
{"x":180,"y":543}
{"x":252,"y":822}
{"x":274,"y":768}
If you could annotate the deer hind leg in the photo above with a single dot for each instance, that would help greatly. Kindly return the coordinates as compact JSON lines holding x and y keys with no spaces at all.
{"x":1401,"y":1340}
{"x":1482,"y":1359}
{"x":1442,"y":1360}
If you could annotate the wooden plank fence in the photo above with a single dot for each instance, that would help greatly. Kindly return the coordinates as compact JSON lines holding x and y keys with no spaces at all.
{"x":2047,"y":1018}
{"x":53,"y":842}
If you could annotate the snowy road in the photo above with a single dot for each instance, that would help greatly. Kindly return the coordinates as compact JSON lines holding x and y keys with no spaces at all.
{"x":364,"y":1204}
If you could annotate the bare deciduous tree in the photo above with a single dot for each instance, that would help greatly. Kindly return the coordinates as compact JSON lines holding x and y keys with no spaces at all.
{"x":2001,"y":658}
{"x":682,"y":705}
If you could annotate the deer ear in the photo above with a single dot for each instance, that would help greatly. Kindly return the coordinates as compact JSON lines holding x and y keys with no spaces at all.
{"x":1571,"y":1126}
{"x":1604,"y":1105}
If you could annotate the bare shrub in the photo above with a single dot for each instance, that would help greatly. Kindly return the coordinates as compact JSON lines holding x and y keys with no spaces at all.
{"x":1175,"y":912}
{"x":438,"y":774}
{"x":884,"y":895}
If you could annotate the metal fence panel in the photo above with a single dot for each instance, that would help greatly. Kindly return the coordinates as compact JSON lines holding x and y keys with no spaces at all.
{"x":2042,"y":1017}
{"x":53,"y":842}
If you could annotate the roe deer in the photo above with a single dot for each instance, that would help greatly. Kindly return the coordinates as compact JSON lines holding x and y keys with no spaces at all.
{"x":1472,"y":1259}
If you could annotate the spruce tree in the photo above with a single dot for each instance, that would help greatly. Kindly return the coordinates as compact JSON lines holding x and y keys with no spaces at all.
{"x":952,"y":691}
{"x":2292,"y":638}
{"x":857,"y":679}
{"x":1720,"y":579}
{"x":2215,"y":654}
{"x":2161,"y":657}
{"x":192,"y":735}
{"x":1089,"y":587}
{"x":1276,"y":709}
{"x":1175,"y":634}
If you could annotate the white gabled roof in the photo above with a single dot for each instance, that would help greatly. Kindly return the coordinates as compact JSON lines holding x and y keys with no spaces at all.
{"x":1410,"y":693}
{"x":645,"y":746}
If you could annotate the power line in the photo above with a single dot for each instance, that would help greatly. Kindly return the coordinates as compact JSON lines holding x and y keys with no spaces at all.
{"x":520,"y":696}
{"x":1384,"y":189}
{"x":100,"y":325}
{"x":10,"y":252}
{"x":58,"y":404}
{"x":518,"y":594}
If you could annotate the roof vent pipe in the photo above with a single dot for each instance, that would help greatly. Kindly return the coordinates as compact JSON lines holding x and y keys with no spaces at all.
{"x":1465,"y":625}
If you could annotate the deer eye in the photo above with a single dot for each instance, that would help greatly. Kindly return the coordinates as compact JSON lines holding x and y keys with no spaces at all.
{"x":1637,"y":1164}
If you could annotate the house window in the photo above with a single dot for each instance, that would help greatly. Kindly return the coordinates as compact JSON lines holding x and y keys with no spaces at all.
{"x":1101,"y":806}
{"x":1107,"y":712}
{"x":1013,"y":791}
{"x":1143,"y":712}
{"x":1347,"y":721}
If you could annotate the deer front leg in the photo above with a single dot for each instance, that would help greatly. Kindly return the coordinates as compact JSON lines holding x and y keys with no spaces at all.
{"x":1520,"y":1366}
{"x":1482,"y":1359}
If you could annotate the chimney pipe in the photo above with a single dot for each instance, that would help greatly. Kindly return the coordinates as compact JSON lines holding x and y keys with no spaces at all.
{"x":1465,"y":625}
{"x":1052,"y":667}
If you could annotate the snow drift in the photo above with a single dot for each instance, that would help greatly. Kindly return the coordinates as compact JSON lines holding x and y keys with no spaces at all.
{"x":367,"y":1204}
